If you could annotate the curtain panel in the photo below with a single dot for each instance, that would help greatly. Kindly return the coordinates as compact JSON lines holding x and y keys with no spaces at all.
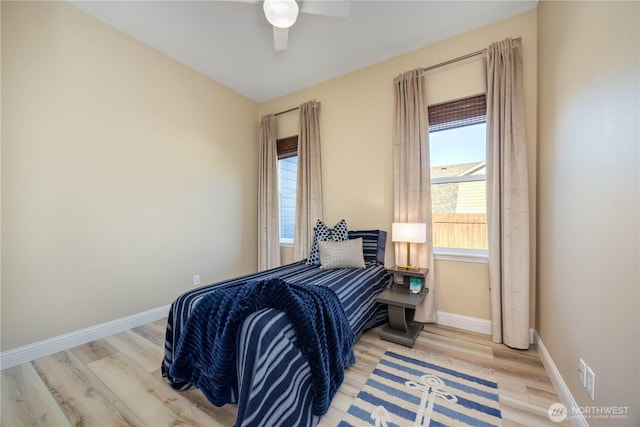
{"x":309,"y":180}
{"x":268,"y":206}
{"x":411,"y":177}
{"x":507,"y":195}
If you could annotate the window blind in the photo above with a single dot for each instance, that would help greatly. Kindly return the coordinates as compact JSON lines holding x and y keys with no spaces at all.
{"x":287,"y":147}
{"x":458,"y":113}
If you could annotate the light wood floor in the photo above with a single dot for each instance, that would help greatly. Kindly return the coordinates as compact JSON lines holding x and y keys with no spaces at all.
{"x":116,"y":381}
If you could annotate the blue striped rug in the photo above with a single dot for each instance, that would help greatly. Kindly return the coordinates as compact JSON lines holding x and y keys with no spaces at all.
{"x":406,"y":391}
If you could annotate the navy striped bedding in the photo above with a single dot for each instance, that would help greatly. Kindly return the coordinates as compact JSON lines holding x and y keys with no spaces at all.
{"x":272,"y":379}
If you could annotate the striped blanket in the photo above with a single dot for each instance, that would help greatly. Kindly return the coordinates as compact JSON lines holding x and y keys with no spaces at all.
{"x":272,"y":382}
{"x":206,"y":351}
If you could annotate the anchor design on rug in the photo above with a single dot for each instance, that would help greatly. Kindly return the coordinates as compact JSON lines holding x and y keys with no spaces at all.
{"x":381,"y":416}
{"x":431,"y":387}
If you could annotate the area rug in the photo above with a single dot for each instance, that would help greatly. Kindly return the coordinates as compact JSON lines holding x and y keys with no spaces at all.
{"x":408,"y":389}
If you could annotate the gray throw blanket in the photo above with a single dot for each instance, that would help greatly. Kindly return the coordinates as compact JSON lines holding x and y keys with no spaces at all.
{"x":206,"y":352}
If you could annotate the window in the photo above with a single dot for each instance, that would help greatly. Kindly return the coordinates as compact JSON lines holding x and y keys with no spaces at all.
{"x":457,"y":140}
{"x":287,"y":178}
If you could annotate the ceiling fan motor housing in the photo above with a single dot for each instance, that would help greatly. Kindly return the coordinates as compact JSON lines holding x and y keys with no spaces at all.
{"x":281,"y":13}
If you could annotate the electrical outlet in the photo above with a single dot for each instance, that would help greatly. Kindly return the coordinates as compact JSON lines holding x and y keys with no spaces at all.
{"x":196,"y":279}
{"x":582,"y":372}
{"x":591,"y":383}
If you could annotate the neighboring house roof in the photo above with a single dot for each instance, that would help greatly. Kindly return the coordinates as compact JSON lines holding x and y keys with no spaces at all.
{"x":459,"y":197}
{"x":453,"y":170}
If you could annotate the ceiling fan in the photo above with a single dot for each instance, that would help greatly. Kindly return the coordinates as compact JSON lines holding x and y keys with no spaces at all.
{"x":282,"y":14}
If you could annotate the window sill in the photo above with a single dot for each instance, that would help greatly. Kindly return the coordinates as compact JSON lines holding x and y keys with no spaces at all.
{"x":286,"y":244}
{"x":480,"y":256}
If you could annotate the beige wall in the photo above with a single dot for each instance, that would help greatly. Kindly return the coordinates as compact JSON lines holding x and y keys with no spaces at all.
{"x":356,"y":124}
{"x":124,"y":173}
{"x":588,"y":268}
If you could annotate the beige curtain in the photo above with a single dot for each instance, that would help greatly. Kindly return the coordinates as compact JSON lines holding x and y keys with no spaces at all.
{"x":507,"y":195}
{"x":309,"y":184}
{"x":411,"y":177}
{"x":268,"y":207}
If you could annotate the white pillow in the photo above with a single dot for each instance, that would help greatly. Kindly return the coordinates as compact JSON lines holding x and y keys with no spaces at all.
{"x":345,"y":254}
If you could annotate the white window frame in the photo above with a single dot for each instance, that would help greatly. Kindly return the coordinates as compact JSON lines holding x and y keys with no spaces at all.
{"x":284,"y":241}
{"x":461,"y":254}
{"x":480,"y":256}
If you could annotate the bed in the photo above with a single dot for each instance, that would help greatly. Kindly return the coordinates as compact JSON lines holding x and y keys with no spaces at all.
{"x":272,"y":381}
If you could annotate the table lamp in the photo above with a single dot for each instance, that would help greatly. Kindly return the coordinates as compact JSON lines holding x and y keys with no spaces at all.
{"x":409,"y":232}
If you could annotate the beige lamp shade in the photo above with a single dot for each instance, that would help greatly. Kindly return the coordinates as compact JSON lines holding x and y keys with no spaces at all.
{"x":409,"y":232}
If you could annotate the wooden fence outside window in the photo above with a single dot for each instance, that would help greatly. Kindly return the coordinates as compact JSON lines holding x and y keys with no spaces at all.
{"x":455,"y":230}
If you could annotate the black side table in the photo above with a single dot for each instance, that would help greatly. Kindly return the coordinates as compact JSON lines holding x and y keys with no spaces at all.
{"x":402,"y":307}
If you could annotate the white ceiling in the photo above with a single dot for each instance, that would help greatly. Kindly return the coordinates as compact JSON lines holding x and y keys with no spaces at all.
{"x":232,"y":43}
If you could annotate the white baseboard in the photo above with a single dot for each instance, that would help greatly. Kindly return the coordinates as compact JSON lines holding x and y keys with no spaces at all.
{"x":464,"y":322}
{"x":574,"y":414}
{"x":53,"y":345}
{"x":472,"y":324}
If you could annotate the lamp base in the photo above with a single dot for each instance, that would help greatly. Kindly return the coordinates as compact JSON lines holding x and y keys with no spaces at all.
{"x":408,"y":267}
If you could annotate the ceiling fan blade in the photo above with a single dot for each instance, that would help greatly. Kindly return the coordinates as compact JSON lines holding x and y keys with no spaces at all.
{"x":338,"y":8}
{"x":280,"y":38}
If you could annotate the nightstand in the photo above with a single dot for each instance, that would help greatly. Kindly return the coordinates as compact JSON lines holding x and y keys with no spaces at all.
{"x":402,"y":307}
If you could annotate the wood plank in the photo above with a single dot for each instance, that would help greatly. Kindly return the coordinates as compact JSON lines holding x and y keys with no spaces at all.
{"x":154,"y":332}
{"x":540,"y":397}
{"x":331,"y":419}
{"x":92,"y":351}
{"x":155,"y":402}
{"x":80,"y":394}
{"x":146,"y":354}
{"x":512,"y":387}
{"x":226,"y":415}
{"x":370,"y":343}
{"x":26,"y":401}
{"x":428,"y":342}
{"x":528,"y":414}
